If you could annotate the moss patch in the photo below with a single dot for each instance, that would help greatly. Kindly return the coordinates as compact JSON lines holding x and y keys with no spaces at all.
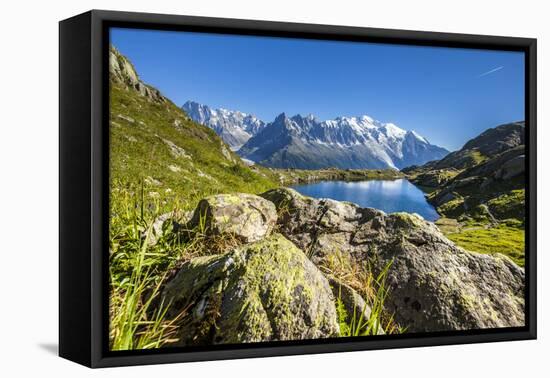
{"x":505,"y":239}
{"x":510,"y":205}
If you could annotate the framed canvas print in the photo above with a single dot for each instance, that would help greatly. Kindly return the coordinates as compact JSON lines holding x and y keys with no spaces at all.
{"x":234,"y":188}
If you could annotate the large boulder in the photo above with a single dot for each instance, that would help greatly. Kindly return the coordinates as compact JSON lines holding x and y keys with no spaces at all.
{"x":263,"y":291}
{"x":511,"y":168}
{"x":308,"y":221}
{"x":246,"y":217}
{"x":433,"y":284}
{"x":507,"y":164}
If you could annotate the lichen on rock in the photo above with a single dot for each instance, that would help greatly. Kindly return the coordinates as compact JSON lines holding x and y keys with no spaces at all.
{"x":246,"y":217}
{"x":433,"y":284}
{"x":262,"y":291}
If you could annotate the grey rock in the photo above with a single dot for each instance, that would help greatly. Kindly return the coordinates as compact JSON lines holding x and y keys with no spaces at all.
{"x":434,"y":285}
{"x":175,"y":150}
{"x":172,"y":223}
{"x":245,"y":217}
{"x":493,"y":166}
{"x":123,"y":72}
{"x":511,"y":168}
{"x":226,"y":154}
{"x":126,"y":118}
{"x":264,"y":291}
{"x":446,"y":197}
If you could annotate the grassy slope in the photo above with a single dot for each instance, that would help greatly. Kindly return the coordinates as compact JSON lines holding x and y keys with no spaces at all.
{"x":502,"y":238}
{"x":172,"y":156}
{"x":507,"y":236}
{"x":474,"y":230}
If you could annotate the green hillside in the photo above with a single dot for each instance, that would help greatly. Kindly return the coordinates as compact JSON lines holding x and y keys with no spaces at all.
{"x":156,"y":145}
{"x":480,"y":191}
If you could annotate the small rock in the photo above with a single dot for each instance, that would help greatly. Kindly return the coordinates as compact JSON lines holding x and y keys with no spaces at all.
{"x":174,"y":168}
{"x":126,"y":118}
{"x":152,"y":181}
{"x":175,"y":150}
{"x":177,"y":220}
{"x":226,"y":154}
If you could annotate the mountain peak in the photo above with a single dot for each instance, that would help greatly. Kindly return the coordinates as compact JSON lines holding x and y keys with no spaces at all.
{"x":234,"y":127}
{"x":343,"y":142}
{"x":417,"y":136}
{"x":308,"y":117}
{"x":122,"y":71}
{"x":190,"y":103}
{"x":281,"y":117}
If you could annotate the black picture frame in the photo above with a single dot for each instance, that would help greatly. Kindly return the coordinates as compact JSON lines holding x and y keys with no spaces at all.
{"x":84,"y":185}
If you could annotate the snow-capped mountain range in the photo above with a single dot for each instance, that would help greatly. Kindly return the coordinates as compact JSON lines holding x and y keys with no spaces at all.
{"x":234,"y":127}
{"x":307,"y":143}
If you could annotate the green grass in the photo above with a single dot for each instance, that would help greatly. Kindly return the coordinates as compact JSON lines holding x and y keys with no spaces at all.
{"x":137,"y":269}
{"x":371,"y":287}
{"x":508,"y":239}
{"x":378,"y":320}
{"x":178,"y":159}
{"x":509,"y":205}
{"x":476,"y":157}
{"x":296,"y":176}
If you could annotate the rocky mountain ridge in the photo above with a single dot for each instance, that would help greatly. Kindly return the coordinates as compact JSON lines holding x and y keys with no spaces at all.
{"x":122,"y":71}
{"x":307,"y":143}
{"x":487,"y":167}
{"x":480,"y":191}
{"x":234,"y":127}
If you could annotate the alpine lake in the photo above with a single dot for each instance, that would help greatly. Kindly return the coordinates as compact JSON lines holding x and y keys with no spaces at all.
{"x":390,"y":196}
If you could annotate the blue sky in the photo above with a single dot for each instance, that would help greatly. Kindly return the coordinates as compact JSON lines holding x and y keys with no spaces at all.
{"x":447,"y":95}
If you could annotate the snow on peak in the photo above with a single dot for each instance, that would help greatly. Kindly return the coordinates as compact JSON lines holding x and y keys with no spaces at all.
{"x":234,"y":127}
{"x":386,"y":143}
{"x":419,"y":137}
{"x":393,"y":131}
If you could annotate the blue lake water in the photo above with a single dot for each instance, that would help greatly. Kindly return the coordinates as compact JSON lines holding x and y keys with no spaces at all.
{"x":389,"y":196}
